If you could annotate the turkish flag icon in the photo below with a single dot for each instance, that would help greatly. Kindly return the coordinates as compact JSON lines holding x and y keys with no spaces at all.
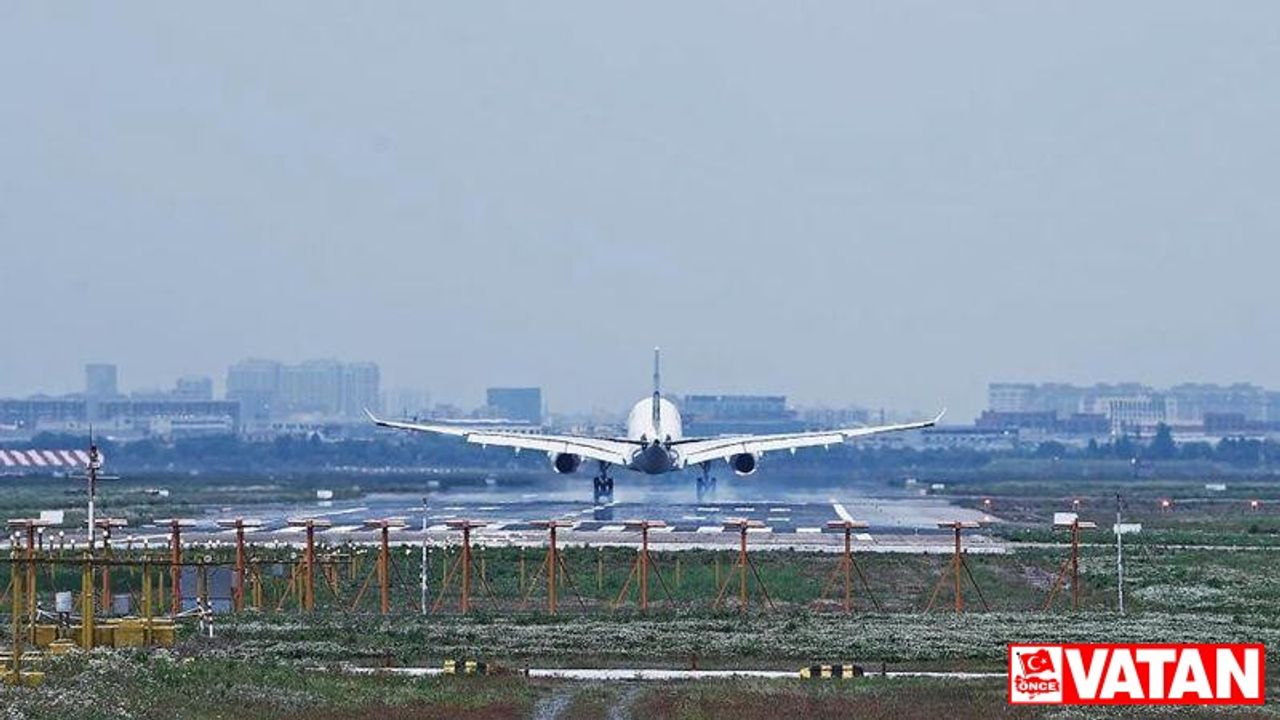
{"x":1036,"y":662}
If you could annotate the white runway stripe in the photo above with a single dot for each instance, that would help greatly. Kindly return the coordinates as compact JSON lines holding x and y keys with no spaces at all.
{"x":840,"y":511}
{"x":341,"y":512}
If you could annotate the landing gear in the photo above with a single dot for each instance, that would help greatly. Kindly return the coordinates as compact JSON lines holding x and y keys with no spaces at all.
{"x":602,"y":484}
{"x":706,"y":483}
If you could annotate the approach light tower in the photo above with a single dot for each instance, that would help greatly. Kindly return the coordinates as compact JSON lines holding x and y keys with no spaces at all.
{"x":92,"y":474}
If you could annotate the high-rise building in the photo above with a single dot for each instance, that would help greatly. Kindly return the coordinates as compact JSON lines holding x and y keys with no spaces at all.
{"x":361,"y":388}
{"x":516,"y":404}
{"x":267,"y":389}
{"x":256,"y":384}
{"x":312,"y":387}
{"x":1191,"y":402}
{"x":100,"y":381}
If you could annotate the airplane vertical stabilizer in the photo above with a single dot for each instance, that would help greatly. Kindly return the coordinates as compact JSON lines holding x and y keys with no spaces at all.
{"x":657,"y":390}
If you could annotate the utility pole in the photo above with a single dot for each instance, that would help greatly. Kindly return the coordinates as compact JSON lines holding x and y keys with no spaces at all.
{"x":1119,"y":557}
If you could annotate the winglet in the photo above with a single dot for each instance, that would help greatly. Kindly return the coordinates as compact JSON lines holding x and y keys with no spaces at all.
{"x":938,"y":419}
{"x":372,"y":418}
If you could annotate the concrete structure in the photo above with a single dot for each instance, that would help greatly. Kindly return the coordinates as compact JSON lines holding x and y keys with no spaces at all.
{"x":131,"y":414}
{"x":269,"y":390}
{"x":731,"y":414}
{"x":1189,"y":403}
{"x":361,"y":383}
{"x":29,"y":413}
{"x":1128,"y":407}
{"x":120,"y":415}
{"x":515,"y":404}
{"x":970,"y":438}
{"x":822,"y":417}
{"x":313,"y":387}
{"x":255,"y":383}
{"x":170,"y":427}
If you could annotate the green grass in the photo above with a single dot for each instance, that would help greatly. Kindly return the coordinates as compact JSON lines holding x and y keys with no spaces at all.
{"x":779,"y":640}
{"x":145,"y":687}
{"x":140,"y":685}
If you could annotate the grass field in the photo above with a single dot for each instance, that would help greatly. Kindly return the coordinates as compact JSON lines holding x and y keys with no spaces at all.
{"x":159,"y":687}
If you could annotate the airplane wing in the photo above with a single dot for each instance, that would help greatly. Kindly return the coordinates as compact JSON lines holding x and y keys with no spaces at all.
{"x":700,"y":451}
{"x":616,"y":452}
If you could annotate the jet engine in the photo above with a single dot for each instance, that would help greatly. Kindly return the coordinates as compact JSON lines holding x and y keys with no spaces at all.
{"x":565,"y":463}
{"x":744,"y":463}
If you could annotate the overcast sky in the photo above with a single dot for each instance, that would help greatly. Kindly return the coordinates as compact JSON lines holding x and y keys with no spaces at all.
{"x":886,"y":203}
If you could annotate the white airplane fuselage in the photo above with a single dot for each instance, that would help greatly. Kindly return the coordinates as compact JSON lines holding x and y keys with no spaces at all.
{"x":657,"y":430}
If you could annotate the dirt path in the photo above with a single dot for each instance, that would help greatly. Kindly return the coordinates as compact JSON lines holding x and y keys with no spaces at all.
{"x":554,"y":705}
{"x":621,"y":709}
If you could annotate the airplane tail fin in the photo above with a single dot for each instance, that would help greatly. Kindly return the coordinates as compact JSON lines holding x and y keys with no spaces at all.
{"x":657,"y":389}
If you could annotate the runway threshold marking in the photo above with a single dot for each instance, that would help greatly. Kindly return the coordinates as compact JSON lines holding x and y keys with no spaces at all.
{"x":348,"y":511}
{"x":840,"y":511}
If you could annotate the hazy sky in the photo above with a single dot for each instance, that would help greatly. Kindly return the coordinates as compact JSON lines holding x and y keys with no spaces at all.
{"x":883,"y":203}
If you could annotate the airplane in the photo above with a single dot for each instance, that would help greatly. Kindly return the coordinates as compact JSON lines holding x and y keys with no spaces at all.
{"x":654,"y":443}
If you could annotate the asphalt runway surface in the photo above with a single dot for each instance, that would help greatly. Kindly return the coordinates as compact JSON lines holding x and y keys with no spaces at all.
{"x":904,"y":521}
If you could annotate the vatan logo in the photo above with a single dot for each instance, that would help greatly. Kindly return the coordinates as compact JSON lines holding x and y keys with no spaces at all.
{"x":1036,"y":674}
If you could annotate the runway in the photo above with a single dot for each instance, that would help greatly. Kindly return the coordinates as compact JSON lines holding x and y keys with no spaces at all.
{"x":790,"y":518}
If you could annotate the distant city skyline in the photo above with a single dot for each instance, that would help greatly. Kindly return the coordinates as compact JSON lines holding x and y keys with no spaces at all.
{"x":889,"y":204}
{"x":102,"y":379}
